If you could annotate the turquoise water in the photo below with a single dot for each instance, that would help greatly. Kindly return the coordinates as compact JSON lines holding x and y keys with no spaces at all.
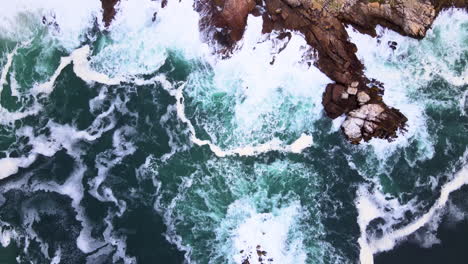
{"x":106,"y":164}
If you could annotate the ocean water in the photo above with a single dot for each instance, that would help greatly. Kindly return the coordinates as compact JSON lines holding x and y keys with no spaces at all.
{"x":137,"y":144}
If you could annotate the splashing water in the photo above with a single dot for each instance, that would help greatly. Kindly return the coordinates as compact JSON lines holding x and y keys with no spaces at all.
{"x":136,"y":144}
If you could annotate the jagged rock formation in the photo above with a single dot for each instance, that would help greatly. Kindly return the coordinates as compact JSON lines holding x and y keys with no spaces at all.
{"x":322,"y":22}
{"x":108,"y":11}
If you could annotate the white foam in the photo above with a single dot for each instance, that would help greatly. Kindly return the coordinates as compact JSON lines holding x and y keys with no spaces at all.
{"x":57,"y":257}
{"x":304,"y":141}
{"x":137,"y":48}
{"x":270,"y":231}
{"x":82,"y":69}
{"x":139,"y":45}
{"x":6,"y":235}
{"x":464,"y":103}
{"x":336,"y":123}
{"x":408,"y":68}
{"x":389,"y":240}
{"x":22,"y":19}
{"x":413,"y":65}
{"x":7,"y":117}
{"x":8,"y":166}
{"x":118,"y":241}
{"x":261,"y":98}
{"x":6,"y":68}
{"x":368,"y":210}
{"x":108,"y":159}
{"x":65,"y":137}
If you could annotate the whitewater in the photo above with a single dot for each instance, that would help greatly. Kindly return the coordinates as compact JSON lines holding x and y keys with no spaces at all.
{"x":137,"y":143}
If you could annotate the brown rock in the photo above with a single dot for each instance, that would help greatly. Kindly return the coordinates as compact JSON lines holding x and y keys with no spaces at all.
{"x":293,"y":3}
{"x":408,"y":17}
{"x":352,"y":90}
{"x":322,"y":24}
{"x":334,"y":103}
{"x":373,"y":120}
{"x":235,"y":16}
{"x":108,"y":7}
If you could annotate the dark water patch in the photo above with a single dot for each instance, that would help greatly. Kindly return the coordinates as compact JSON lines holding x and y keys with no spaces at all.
{"x":69,"y":101}
{"x":8,"y":254}
{"x":452,"y":248}
{"x":145,"y":230}
{"x":42,"y":218}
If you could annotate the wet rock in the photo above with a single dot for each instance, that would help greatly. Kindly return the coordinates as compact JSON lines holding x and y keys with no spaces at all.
{"x":293,"y":3}
{"x":108,"y":7}
{"x":344,"y":95}
{"x":352,"y":90}
{"x":373,"y":120}
{"x":322,"y":23}
{"x":363,"y":97}
{"x":234,"y":13}
{"x":408,"y":17}
{"x":334,"y":103}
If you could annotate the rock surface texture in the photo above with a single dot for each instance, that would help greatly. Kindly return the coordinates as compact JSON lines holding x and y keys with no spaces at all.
{"x":108,"y":11}
{"x":322,"y":22}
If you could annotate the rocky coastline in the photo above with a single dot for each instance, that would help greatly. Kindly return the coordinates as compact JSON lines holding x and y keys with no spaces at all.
{"x":322,"y":23}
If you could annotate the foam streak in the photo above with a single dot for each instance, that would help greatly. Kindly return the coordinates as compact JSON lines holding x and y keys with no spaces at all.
{"x":82,"y":69}
{"x":6,"y":68}
{"x":369,"y":211}
{"x":303,"y":142}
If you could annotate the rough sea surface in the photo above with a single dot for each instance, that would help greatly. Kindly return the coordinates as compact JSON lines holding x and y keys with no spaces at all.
{"x":137,"y":144}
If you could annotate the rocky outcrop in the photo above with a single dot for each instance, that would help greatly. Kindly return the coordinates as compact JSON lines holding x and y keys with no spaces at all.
{"x":234,"y":15}
{"x":408,"y":17}
{"x":322,"y":22}
{"x":108,"y":11}
{"x":372,"y":121}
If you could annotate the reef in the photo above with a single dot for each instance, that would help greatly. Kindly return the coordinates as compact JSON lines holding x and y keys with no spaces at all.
{"x":322,"y":23}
